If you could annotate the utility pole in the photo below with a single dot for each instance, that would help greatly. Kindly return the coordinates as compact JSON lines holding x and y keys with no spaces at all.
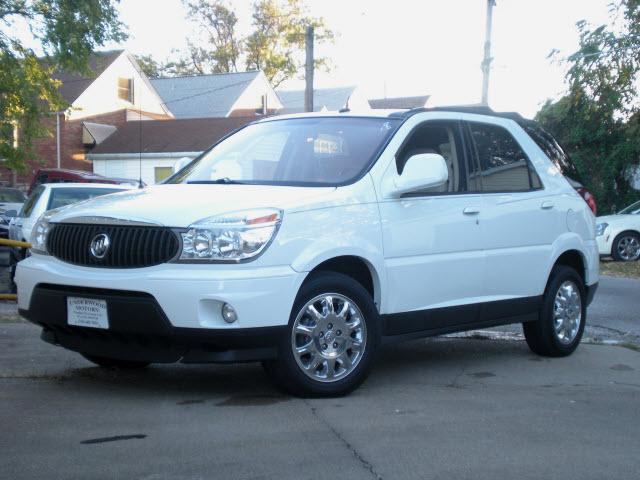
{"x":486,"y":62}
{"x":308,"y":72}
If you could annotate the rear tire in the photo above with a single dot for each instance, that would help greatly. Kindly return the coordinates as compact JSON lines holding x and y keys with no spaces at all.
{"x":331,"y":340}
{"x":106,"y":362}
{"x":559,"y":328}
{"x":626,"y":247}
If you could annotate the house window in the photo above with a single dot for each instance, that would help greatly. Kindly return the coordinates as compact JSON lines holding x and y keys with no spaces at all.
{"x":161,"y":173}
{"x":125,"y":89}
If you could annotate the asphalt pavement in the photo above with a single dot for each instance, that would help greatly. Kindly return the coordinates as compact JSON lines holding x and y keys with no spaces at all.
{"x":442,"y":408}
{"x":438,"y":408}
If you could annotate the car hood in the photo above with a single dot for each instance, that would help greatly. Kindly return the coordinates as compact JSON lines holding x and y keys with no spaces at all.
{"x":181,"y":205}
{"x":5,"y":207}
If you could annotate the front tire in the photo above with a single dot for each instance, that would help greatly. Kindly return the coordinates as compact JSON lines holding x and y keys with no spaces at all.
{"x":559,"y":328}
{"x":106,"y":362}
{"x":626,"y":247}
{"x":331,"y":340}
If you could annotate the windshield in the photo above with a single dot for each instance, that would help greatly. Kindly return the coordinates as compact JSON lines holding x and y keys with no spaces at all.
{"x":10,"y":195}
{"x":319,"y":151}
{"x":633,"y":209}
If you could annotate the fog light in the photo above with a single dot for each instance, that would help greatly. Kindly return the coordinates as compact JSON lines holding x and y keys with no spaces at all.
{"x":229,"y":313}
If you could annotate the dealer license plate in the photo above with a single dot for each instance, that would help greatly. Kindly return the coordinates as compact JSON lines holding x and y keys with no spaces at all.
{"x":87,"y":312}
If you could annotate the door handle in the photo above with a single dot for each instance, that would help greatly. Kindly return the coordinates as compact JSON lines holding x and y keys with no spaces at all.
{"x":546,"y":205}
{"x":471,"y":211}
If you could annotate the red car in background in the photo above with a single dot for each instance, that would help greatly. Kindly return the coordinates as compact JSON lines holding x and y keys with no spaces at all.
{"x":59,"y":175}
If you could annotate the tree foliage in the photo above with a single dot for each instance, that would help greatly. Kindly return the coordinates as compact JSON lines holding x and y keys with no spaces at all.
{"x":598,"y":121}
{"x":67,"y":32}
{"x":274,"y":45}
{"x":278,"y":40}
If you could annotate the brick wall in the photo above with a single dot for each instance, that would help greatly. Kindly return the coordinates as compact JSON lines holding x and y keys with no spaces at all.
{"x":72,"y":150}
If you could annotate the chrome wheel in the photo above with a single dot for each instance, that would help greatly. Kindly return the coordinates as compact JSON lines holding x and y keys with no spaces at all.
{"x":567,"y":312}
{"x":329,"y":337}
{"x":628,"y":248}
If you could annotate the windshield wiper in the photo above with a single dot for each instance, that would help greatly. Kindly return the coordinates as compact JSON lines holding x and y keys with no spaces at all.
{"x":219,"y":181}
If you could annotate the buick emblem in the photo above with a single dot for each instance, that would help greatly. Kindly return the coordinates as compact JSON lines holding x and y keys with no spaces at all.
{"x":100,"y":245}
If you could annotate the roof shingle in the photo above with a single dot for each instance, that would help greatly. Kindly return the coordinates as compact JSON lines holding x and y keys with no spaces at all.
{"x":164,"y":136}
{"x":202,"y":96}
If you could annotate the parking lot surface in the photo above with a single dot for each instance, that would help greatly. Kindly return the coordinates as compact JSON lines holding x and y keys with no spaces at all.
{"x":439,"y":408}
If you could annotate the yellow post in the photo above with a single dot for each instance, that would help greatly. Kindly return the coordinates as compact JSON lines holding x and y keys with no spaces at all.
{"x":14,"y":243}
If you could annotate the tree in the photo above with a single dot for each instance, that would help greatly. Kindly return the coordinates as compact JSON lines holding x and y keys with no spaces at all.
{"x":277,"y":43}
{"x":218,"y":22}
{"x":149,"y":66}
{"x":598,"y":121}
{"x":67,"y":32}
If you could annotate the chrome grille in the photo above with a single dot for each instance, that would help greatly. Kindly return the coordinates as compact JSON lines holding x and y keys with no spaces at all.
{"x":129,"y":246}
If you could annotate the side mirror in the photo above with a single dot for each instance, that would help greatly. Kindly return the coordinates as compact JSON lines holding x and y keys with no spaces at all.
{"x":424,"y":170}
{"x":10,"y":213}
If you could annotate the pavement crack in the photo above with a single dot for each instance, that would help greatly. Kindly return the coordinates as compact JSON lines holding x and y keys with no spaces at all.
{"x":357,"y":455}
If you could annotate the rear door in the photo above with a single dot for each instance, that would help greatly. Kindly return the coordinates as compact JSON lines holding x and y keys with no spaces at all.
{"x":521,"y":220}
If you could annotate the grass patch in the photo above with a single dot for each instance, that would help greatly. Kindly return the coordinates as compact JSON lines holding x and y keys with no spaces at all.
{"x":620,"y":269}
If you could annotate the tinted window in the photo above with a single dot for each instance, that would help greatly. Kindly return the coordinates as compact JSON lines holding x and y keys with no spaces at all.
{"x":552,"y":149}
{"x":318,"y":151}
{"x":442,"y":138}
{"x":503,"y":164}
{"x":27,"y":207}
{"x":11,"y":195}
{"x":61,"y":197}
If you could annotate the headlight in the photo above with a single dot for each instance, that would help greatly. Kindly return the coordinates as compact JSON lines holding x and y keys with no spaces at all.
{"x":39,"y":235}
{"x":600,"y":228}
{"x":231,"y":237}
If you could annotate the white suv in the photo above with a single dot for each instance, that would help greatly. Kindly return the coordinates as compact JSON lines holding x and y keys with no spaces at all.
{"x":306,"y":242}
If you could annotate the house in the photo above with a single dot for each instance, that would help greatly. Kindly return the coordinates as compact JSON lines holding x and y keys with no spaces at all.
{"x":399,"y":103}
{"x":149,"y":149}
{"x":324,"y":99}
{"x":115,"y":92}
{"x":218,"y":95}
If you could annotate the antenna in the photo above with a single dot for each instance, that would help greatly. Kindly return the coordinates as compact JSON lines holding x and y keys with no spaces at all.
{"x":140,"y":146}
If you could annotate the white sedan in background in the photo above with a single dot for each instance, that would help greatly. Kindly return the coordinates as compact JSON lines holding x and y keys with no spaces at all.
{"x":46,"y":197}
{"x":618,"y":235}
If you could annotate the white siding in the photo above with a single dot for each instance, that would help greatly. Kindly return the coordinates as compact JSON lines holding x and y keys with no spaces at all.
{"x":130,"y":167}
{"x":102,"y":95}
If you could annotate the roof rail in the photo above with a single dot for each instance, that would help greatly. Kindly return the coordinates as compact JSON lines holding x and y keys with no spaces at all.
{"x":476,"y":109}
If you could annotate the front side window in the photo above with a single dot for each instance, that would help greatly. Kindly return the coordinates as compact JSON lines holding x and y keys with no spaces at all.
{"x":320,"y":151}
{"x":61,"y":197}
{"x":443,"y":139}
{"x":504,"y":166}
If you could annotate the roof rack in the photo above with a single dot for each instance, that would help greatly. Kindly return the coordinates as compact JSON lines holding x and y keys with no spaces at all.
{"x":476,"y":109}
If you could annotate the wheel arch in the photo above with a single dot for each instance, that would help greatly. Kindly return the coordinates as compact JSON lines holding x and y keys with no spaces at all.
{"x":575,"y":259}
{"x":356,"y":267}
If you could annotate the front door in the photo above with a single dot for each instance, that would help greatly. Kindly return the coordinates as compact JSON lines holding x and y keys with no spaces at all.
{"x":432,"y":245}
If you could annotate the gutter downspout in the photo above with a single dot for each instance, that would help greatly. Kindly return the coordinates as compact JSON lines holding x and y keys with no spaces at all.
{"x":58,"y":139}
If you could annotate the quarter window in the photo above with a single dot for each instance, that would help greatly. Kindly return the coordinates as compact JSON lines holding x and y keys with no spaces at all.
{"x":504,"y":166}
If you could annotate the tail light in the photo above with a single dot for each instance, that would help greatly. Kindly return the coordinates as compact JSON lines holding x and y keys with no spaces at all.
{"x":589,"y":198}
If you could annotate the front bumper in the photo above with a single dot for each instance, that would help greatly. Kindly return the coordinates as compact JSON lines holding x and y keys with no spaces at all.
{"x":139,"y":330}
{"x":166,"y":313}
{"x":190,"y":296}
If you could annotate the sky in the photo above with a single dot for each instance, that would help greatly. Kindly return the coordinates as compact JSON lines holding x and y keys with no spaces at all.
{"x":417,"y":47}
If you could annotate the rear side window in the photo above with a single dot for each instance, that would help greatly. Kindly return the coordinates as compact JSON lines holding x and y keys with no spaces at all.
{"x":61,"y":197}
{"x":552,"y":149}
{"x":504,"y":167}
